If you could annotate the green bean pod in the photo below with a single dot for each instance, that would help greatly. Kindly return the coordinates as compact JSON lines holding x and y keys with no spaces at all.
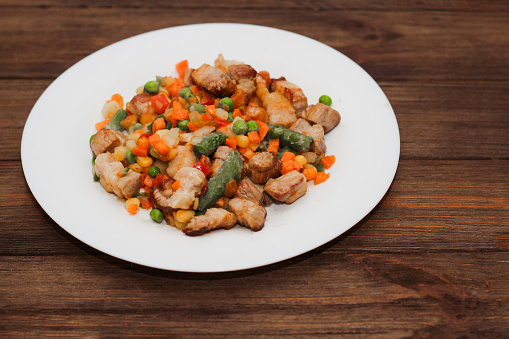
{"x":290,"y":138}
{"x":230,"y":169}
{"x":209,"y":144}
{"x":114,"y":123}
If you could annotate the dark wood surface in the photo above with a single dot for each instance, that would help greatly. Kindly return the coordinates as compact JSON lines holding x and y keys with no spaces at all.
{"x":430,"y":261}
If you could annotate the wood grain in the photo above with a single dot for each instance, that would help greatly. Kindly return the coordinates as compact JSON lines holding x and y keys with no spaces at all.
{"x":430,"y":261}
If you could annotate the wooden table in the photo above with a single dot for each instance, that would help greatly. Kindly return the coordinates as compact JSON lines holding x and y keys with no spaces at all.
{"x":431,"y":260}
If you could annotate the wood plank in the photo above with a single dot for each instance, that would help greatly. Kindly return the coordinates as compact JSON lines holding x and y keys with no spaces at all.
{"x":413,"y":46}
{"x":436,"y":120}
{"x":376,"y":295}
{"x":317,"y":5}
{"x":432,"y":206}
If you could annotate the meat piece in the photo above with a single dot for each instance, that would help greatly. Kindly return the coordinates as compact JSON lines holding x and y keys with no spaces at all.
{"x":288,"y":187}
{"x":192,"y":182}
{"x":106,"y":140}
{"x":316,"y":132}
{"x":140,"y":105}
{"x":185,"y":158}
{"x":213,"y":219}
{"x":214,"y":81}
{"x":248,"y":213}
{"x":279,"y":109}
{"x":323,"y":115}
{"x":106,"y":168}
{"x":263,"y":166}
{"x":220,"y":62}
{"x":247,"y":189}
{"x":244,"y":77}
{"x":255,"y":113}
{"x":215,"y":166}
{"x":130,"y":184}
{"x":160,"y":196}
{"x":222,"y":152}
{"x":292,"y":92}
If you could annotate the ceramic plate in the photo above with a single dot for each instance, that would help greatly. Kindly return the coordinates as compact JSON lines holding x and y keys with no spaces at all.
{"x":365,"y":143}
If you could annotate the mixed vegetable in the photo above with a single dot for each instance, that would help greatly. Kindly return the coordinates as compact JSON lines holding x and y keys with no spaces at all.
{"x":213,"y":146}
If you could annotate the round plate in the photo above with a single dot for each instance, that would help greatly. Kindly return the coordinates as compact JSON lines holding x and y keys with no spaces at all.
{"x":365,"y":143}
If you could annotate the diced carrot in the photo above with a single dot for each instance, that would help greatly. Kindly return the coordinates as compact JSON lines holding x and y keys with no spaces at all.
{"x":156,"y":141}
{"x":140,"y":151}
{"x":176,"y":185}
{"x":238,"y":98}
{"x":273,"y":146}
{"x":321,"y":177}
{"x":310,"y":173}
{"x":231,"y":142}
{"x":220,"y":202}
{"x":207,"y":117}
{"x":120,"y":174}
{"x":132,"y":209}
{"x":264,"y":129}
{"x":145,"y":202}
{"x":129,"y":121}
{"x":194,"y":89}
{"x":175,"y":88}
{"x":180,"y":114}
{"x":143,"y":142}
{"x":182,"y":67}
{"x":176,"y":105}
{"x":159,"y":177}
{"x":287,"y":156}
{"x":328,"y":161}
{"x":246,"y":152}
{"x":210,"y":109}
{"x":192,"y":126}
{"x":147,"y":118}
{"x":158,"y":125}
{"x":289,"y":166}
{"x":266,"y":76}
{"x":236,"y":113}
{"x":118,"y":98}
{"x":254,"y":138}
{"x":148,"y":181}
{"x":100,"y":125}
{"x":222,"y":129}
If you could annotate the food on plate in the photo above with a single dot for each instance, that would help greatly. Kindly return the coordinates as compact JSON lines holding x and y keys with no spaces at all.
{"x":212,"y":147}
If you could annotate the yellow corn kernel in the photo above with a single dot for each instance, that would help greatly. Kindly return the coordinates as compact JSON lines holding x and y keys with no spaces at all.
{"x":242,"y":141}
{"x":120,"y":153}
{"x":300,"y":159}
{"x":136,"y":167}
{"x":144,"y":161}
{"x":183,"y":216}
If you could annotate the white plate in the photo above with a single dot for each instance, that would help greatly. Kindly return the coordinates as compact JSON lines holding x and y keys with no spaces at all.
{"x":57,"y":159}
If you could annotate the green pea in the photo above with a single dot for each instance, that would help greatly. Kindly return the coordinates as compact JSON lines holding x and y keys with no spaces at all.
{"x":156,"y":215}
{"x":183,"y":125}
{"x":252,"y":126}
{"x":240,"y":127}
{"x":153,"y":171}
{"x":130,"y":157}
{"x":151,"y":87}
{"x":92,"y":138}
{"x":326,"y":100}
{"x":226,"y":102}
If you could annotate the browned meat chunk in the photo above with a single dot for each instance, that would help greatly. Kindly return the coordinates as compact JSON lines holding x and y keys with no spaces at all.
{"x":316,"y":132}
{"x":292,"y":92}
{"x":106,"y":140}
{"x":222,"y":152}
{"x":244,"y":77}
{"x":213,"y":219}
{"x":187,"y":77}
{"x":323,"y":115}
{"x":130,"y":184}
{"x":215,"y":166}
{"x":214,"y":81}
{"x":192,"y":182}
{"x":288,"y":187}
{"x":247,"y":189}
{"x":185,"y":158}
{"x":279,"y":109}
{"x":140,"y":105}
{"x":263,"y":166}
{"x":248,"y":213}
{"x":106,"y":168}
{"x":160,"y":197}
{"x":255,"y":113}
